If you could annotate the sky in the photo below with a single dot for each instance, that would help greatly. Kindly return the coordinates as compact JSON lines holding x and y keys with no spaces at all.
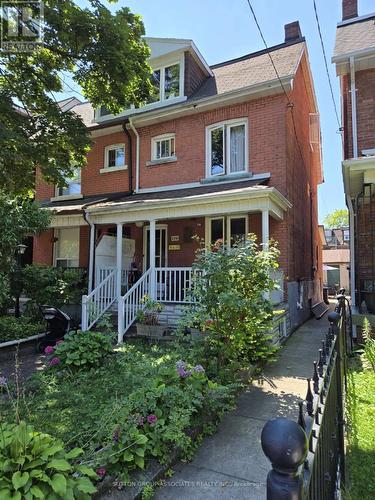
{"x":225,"y":29}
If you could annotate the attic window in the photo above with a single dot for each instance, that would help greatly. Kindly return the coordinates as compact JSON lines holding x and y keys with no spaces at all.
{"x":166,"y":82}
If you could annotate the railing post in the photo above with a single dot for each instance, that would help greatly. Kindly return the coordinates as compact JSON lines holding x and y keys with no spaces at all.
{"x":120,"y":320}
{"x":152,"y":259}
{"x":84,"y":317}
{"x":285,"y":444}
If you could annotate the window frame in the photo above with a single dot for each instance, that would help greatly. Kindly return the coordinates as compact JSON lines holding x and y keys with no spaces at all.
{"x":226,"y":125}
{"x":159,"y":138}
{"x":226,"y":227}
{"x":162,"y":68}
{"x":59,"y":195}
{"x":57,"y":233}
{"x":115,"y":168}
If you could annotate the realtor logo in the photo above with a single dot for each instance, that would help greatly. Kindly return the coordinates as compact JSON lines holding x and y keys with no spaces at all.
{"x":21,"y":25}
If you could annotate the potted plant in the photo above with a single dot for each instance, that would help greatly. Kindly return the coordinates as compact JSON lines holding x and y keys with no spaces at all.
{"x":148,"y":319}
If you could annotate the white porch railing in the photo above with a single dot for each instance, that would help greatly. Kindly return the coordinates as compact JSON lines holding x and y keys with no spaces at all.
{"x":103,"y":271}
{"x":173,"y":284}
{"x":98,"y":301}
{"x":130,"y":303}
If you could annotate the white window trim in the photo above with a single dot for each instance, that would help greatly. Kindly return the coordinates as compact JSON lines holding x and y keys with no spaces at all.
{"x":226,"y":225}
{"x":106,"y":158}
{"x":162,"y":137}
{"x":229,"y":123}
{"x":161,"y":67}
{"x":146,"y":230}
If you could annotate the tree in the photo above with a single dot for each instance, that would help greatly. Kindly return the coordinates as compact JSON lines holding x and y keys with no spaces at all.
{"x":103,"y":53}
{"x":337,"y":219}
{"x":19,"y":218}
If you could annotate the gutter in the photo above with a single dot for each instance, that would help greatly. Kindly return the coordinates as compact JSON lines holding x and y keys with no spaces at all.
{"x":136,"y":155}
{"x":130,"y":154}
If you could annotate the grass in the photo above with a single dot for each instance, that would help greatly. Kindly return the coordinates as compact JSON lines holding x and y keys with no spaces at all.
{"x":360,"y":460}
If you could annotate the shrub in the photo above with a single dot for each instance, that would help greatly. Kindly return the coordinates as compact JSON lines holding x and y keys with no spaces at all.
{"x":82,"y":350}
{"x":369,"y":347}
{"x":54,"y":286}
{"x":231,"y":288}
{"x":150,"y":314}
{"x":12,"y":328}
{"x":35,"y":465}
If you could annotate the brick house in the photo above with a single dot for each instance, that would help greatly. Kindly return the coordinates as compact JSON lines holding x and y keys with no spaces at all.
{"x":216,"y":155}
{"x":354,"y":57}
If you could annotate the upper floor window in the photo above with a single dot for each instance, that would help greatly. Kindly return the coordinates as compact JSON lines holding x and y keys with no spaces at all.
{"x":73,"y":184}
{"x":114,"y":156}
{"x":167,"y":83}
{"x":163,"y":147}
{"x":227,"y":146}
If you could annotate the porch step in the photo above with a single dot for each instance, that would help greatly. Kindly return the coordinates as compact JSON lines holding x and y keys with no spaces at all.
{"x":171,"y":314}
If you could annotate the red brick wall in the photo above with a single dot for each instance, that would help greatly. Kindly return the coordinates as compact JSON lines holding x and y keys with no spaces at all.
{"x":43,"y":190}
{"x":365,"y":85}
{"x":43,"y":248}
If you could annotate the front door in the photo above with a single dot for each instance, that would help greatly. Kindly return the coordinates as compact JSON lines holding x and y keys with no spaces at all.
{"x":160,"y":247}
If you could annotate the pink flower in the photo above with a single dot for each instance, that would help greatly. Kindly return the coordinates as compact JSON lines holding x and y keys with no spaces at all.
{"x":152,"y":419}
{"x":101,"y":472}
{"x":49,"y":350}
{"x":54,"y":361}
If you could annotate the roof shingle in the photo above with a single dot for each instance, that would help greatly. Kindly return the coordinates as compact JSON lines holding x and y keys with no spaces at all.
{"x":355,"y":37}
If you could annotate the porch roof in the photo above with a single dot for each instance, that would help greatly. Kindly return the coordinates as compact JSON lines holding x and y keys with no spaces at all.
{"x":245,"y":196}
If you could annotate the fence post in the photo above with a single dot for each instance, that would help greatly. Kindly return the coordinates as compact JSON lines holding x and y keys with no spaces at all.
{"x":84,"y":317}
{"x":285,"y":444}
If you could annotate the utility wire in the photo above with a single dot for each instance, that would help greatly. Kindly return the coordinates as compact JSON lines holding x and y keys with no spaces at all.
{"x":326,"y":64}
{"x":290,"y":104}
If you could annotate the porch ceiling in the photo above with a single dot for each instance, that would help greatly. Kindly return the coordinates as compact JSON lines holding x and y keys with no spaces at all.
{"x":357,"y":172}
{"x":166,"y":205}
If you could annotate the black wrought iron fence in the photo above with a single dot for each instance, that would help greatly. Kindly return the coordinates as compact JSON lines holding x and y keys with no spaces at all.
{"x":308,"y":460}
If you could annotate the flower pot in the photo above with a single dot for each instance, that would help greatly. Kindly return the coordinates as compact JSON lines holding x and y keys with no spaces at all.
{"x":153,"y":331}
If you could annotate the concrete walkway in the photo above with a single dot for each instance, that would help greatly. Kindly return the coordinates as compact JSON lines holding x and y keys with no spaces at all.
{"x":231,"y":464}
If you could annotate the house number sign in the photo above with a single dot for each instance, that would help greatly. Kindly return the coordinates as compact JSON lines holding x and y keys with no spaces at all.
{"x":175,"y":238}
{"x":174,"y":247}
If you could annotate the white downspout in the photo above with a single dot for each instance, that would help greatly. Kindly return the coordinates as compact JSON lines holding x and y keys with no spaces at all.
{"x":136,"y":156}
{"x":352,"y":257}
{"x":354,"y":107}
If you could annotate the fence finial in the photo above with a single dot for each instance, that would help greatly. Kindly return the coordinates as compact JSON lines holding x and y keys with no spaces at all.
{"x":285,"y":444}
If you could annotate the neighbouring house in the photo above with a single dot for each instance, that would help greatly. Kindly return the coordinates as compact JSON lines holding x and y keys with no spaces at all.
{"x":336,"y":258}
{"x":219,"y":153}
{"x":354,"y":57}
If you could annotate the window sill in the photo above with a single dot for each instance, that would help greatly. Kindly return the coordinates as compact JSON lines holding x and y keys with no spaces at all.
{"x":153,"y":163}
{"x":66,"y":197}
{"x":225,"y":178}
{"x":107,"y":170}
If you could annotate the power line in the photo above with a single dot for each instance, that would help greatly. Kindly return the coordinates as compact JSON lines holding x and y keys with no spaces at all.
{"x":290,"y":104}
{"x":326,"y":65}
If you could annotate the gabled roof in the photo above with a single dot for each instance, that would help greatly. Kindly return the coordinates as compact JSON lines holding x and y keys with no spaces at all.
{"x":253,"y":69}
{"x":355,"y":36}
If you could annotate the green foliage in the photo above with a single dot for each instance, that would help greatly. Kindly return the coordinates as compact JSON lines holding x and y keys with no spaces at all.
{"x":19,"y":218}
{"x":35,"y":465}
{"x":12,"y":328}
{"x":103,"y":52}
{"x":148,"y":492}
{"x":360,"y":452}
{"x":149,"y":315}
{"x":53,"y":286}
{"x":137,"y":405}
{"x":232,"y":307}
{"x":83,"y":350}
{"x":337,"y":219}
{"x":369,"y":346}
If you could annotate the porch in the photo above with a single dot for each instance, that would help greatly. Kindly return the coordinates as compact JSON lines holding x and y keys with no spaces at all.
{"x":146,"y":244}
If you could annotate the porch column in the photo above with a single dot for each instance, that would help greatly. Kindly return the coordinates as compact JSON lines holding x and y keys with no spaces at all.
{"x":91,"y":257}
{"x":152,"y":258}
{"x":265,"y":229}
{"x":119,"y":259}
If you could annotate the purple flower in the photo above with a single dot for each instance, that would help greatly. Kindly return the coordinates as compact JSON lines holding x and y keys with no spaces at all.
{"x":140,"y":421}
{"x":3,"y":382}
{"x":101,"y":472}
{"x":184,"y":373}
{"x":49,"y":350}
{"x":152,"y":419}
{"x":180,"y":364}
{"x":54,"y":361}
{"x":199,"y":369}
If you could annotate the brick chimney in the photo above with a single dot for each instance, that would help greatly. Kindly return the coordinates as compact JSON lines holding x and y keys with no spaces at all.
{"x":292,"y":31}
{"x":349,"y":9}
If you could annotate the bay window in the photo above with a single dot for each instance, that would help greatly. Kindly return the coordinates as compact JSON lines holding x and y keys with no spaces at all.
{"x":227,"y":148}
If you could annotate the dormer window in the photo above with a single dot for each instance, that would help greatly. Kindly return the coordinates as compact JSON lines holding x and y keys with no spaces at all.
{"x":167,"y":83}
{"x":73,"y":185}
